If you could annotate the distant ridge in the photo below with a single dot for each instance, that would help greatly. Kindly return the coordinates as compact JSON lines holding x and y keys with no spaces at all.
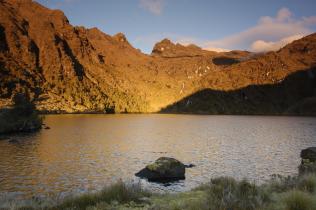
{"x":73,"y":69}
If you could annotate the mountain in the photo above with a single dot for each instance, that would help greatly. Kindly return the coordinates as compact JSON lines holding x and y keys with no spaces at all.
{"x":69,"y":68}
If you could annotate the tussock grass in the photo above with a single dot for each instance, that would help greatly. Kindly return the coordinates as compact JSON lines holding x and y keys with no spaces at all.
{"x":223,"y":193}
{"x":227,"y":193}
{"x":298,"y":200}
{"x":118,"y":193}
{"x":307,"y":183}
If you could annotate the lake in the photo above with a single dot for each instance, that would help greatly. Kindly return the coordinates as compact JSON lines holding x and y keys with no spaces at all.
{"x":86,"y":152}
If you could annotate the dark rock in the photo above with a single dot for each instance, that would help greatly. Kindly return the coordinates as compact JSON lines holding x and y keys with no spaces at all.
{"x":309,"y":154}
{"x":47,"y":127}
{"x":164,"y":169}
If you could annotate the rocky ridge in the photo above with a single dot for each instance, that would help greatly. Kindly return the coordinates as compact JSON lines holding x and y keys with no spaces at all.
{"x":74,"y":69}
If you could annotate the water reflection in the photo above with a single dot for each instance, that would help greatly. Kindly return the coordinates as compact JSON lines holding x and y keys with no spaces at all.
{"x":86,"y":152}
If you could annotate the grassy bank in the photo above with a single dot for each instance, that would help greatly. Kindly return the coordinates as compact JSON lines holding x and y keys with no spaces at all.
{"x":224,"y":193}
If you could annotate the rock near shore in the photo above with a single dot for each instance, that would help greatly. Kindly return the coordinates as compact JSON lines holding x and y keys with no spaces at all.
{"x":308,"y":164}
{"x":309,"y":154}
{"x":164,"y":169}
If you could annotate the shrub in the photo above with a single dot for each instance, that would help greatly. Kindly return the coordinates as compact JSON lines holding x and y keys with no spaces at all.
{"x":118,"y":192}
{"x":307,"y":183}
{"x":21,"y":117}
{"x":280,"y":183}
{"x":227,"y":193}
{"x":298,"y":200}
{"x":22,"y":105}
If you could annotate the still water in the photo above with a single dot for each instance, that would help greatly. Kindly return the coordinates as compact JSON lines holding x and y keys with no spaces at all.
{"x":86,"y":152}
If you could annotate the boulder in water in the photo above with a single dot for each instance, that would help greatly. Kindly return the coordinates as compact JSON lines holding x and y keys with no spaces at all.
{"x":164,"y":169}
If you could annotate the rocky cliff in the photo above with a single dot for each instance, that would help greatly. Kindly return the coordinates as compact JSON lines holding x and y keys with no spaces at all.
{"x":68,"y":68}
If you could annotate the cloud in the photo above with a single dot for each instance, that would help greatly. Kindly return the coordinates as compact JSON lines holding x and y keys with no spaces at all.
{"x":216,"y":49}
{"x":190,"y":40}
{"x":270,"y":33}
{"x":263,"y":46}
{"x":153,"y":6}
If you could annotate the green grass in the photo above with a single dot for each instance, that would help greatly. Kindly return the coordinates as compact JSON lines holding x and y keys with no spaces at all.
{"x":223,"y":193}
{"x":227,"y":193}
{"x":118,"y":193}
{"x":307,"y":183}
{"x":298,"y":200}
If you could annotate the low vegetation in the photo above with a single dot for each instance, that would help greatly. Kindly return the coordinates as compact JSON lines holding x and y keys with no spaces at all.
{"x":224,"y":193}
{"x":21,"y":117}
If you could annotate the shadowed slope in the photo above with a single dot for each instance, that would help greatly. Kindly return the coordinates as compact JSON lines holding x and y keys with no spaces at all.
{"x":294,"y":95}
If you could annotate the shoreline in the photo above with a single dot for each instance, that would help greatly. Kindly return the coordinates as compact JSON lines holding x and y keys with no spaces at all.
{"x":44,"y":113}
{"x":277,"y":193}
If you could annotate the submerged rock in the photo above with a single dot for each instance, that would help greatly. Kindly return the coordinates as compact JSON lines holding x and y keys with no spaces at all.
{"x":164,"y":169}
{"x":189,"y":165}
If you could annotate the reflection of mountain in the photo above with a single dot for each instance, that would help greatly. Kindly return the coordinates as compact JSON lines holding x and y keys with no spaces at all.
{"x":74,"y":69}
{"x":295,"y":95}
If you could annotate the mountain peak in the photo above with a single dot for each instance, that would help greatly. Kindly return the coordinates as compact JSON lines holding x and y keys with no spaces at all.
{"x":167,"y":48}
{"x":162,"y":46}
{"x":120,"y":37}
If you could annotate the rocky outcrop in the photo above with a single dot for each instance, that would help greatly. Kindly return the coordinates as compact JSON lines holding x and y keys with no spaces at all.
{"x":308,"y":164}
{"x":168,"y":49}
{"x":164,"y":169}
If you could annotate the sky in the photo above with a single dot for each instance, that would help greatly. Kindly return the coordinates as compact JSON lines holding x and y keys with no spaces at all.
{"x":220,"y":25}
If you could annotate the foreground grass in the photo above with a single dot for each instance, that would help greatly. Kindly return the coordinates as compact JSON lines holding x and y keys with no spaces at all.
{"x":116,"y":194}
{"x":224,"y":193}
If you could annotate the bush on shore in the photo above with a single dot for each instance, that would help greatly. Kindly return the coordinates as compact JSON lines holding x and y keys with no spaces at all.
{"x":21,"y":117}
{"x":118,"y":193}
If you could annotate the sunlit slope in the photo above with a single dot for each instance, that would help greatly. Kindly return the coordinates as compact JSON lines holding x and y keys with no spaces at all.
{"x":74,"y":69}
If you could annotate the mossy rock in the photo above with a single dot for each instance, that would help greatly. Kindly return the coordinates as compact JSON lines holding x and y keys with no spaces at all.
{"x":164,"y":169}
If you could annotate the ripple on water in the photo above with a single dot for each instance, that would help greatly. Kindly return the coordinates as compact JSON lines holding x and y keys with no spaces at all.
{"x":85,"y":152}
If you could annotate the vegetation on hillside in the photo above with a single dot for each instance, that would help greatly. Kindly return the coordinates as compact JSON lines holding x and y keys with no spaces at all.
{"x":21,"y":117}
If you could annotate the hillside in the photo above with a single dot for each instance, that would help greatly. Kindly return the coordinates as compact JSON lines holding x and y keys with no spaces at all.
{"x":69,"y":68}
